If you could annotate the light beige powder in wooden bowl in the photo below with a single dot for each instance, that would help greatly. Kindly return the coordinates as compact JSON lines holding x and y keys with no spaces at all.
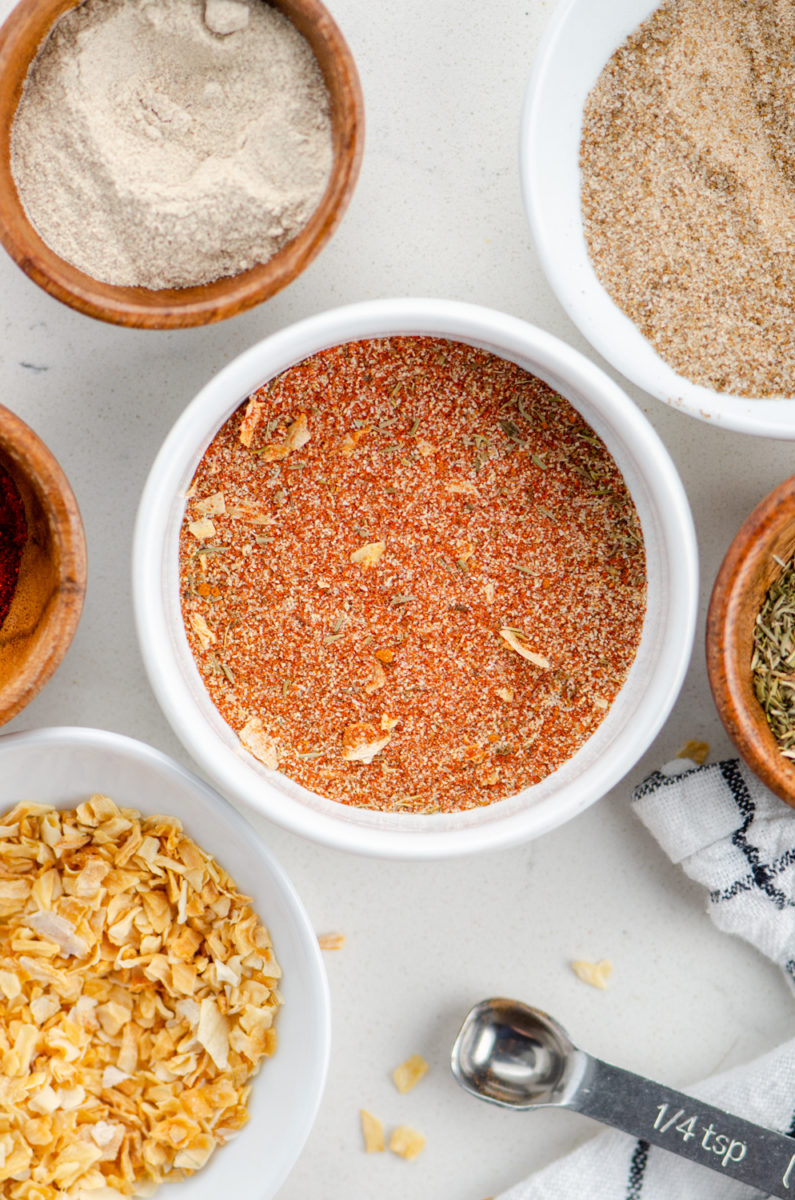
{"x":688,"y":189}
{"x":168,"y":143}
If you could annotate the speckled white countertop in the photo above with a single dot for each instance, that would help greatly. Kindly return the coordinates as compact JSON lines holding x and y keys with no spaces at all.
{"x":437,"y":212}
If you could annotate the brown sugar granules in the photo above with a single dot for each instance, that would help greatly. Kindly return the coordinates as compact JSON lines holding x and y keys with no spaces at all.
{"x":688,"y":189}
{"x":412,"y":576}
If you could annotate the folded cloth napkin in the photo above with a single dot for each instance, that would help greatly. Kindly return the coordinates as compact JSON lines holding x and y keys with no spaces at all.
{"x":736,"y":838}
{"x":729,"y":833}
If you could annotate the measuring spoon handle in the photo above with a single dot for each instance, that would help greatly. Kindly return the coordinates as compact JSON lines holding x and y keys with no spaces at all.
{"x":736,"y":1148}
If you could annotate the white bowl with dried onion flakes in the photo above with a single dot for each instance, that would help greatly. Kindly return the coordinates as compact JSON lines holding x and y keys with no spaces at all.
{"x":139,"y":988}
{"x":637,"y":712}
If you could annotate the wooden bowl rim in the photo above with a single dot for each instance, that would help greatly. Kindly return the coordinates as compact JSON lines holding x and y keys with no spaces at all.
{"x":748,"y":728}
{"x":20,"y":444}
{"x":170,"y":308}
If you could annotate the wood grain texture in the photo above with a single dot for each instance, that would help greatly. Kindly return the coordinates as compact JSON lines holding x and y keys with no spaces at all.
{"x":20,"y":38}
{"x":739,"y":591}
{"x":49,"y":596}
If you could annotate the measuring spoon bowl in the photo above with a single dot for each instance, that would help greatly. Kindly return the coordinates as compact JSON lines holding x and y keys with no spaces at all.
{"x":516,"y":1056}
{"x":519,"y":1057}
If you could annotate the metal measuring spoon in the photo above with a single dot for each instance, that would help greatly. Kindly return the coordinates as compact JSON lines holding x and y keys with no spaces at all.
{"x":518,"y":1057}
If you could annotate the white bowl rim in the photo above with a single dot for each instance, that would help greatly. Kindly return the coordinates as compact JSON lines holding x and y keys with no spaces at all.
{"x":124,"y":746}
{"x":434,"y":317}
{"x":583,"y":296}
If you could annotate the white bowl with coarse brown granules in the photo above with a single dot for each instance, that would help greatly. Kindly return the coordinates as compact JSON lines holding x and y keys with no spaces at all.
{"x":655,"y":180}
{"x":107,"y":1030}
{"x":413,"y":578}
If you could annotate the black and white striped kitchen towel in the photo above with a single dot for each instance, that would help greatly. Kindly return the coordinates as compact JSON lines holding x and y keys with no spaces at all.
{"x":728,"y":832}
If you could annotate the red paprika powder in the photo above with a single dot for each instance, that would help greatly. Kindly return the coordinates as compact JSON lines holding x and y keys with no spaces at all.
{"x":13,"y":534}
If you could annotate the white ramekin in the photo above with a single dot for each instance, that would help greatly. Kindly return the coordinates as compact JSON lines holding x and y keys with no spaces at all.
{"x":64,"y":766}
{"x":634,"y":718}
{"x":579,"y":40}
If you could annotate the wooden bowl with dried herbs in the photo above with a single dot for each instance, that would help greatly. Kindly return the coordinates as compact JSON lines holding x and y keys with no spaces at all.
{"x":42,"y":564}
{"x":751,"y":641}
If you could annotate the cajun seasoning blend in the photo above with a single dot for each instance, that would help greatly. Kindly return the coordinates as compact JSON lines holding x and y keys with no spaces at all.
{"x":13,"y":535}
{"x":412,"y":576}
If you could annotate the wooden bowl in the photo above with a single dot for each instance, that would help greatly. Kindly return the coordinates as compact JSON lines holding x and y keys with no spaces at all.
{"x":740,"y":588}
{"x":49,"y":595}
{"x":20,"y":39}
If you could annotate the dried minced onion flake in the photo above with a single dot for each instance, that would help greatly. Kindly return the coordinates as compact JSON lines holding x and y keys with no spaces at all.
{"x":518,"y":642}
{"x":254,"y":739}
{"x":203,"y":529}
{"x":409,"y":1073}
{"x":297,"y":436}
{"x":202,"y":630}
{"x":112,"y":1075}
{"x":59,"y":930}
{"x":368,"y":555}
{"x":376,"y":680}
{"x":351,"y":441}
{"x":406,"y":1142}
{"x":138,"y":991}
{"x":464,"y":488}
{"x":696,"y":751}
{"x":594,"y":973}
{"x":251,"y":420}
{"x":331,"y":941}
{"x":211,"y":506}
{"x":362,"y":741}
{"x":372,"y":1132}
{"x":213,"y":1032}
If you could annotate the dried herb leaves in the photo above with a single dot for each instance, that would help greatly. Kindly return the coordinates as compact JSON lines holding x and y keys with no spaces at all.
{"x":773,"y":659}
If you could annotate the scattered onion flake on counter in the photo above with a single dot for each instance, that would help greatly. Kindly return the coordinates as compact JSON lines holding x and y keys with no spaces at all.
{"x":372,"y":1132}
{"x":696,"y":751}
{"x":409,"y":1073}
{"x":412,"y":576}
{"x":406,"y":1142}
{"x":138,"y":990}
{"x":331,"y":941}
{"x":596,"y":974}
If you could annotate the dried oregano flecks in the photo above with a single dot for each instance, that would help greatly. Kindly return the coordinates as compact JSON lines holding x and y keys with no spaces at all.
{"x":773,"y":659}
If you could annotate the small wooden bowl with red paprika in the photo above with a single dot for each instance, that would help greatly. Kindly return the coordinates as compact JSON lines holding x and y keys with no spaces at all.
{"x":46,"y":581}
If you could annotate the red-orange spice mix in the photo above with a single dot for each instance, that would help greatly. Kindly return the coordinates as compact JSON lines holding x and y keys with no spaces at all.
{"x":346,"y":575}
